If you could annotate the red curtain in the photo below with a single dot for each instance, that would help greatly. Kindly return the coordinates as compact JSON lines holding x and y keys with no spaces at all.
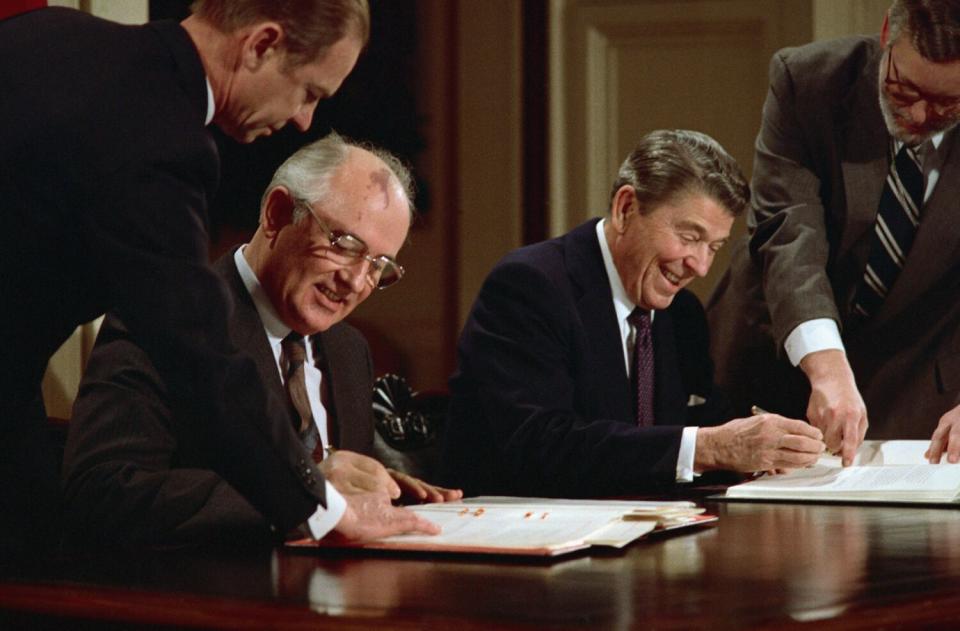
{"x":13,"y":7}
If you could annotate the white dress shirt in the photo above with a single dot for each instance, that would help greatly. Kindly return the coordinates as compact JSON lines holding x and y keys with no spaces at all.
{"x":623,"y":307}
{"x":823,"y":334}
{"x":324,"y":519}
{"x":211,"y":107}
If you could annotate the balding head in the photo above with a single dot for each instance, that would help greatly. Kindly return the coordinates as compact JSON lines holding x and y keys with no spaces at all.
{"x":329,"y":189}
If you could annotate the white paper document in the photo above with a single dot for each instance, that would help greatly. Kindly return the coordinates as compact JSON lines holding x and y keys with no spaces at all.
{"x":883,"y":471}
{"x":535,"y":526}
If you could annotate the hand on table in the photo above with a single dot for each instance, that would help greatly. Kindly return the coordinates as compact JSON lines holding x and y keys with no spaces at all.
{"x":835,"y":406}
{"x":352,"y":473}
{"x":416,"y":490}
{"x":370,"y":515}
{"x":946,"y":439}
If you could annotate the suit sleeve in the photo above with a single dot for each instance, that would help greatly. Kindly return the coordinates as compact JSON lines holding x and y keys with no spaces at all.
{"x":787,"y":216}
{"x":128,"y":477}
{"x":519,"y":352}
{"x":150,"y":242}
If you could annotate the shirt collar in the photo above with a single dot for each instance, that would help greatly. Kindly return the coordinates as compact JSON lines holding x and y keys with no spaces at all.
{"x":621,"y":301}
{"x":934,"y":143}
{"x":211,"y":107}
{"x":272,"y":324}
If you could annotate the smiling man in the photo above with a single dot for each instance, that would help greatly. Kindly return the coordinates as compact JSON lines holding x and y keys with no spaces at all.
{"x":583,"y":366}
{"x":106,"y":169}
{"x":841,"y":303}
{"x":136,"y":470}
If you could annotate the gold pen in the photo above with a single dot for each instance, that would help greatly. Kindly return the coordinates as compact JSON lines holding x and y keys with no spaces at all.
{"x":756,"y":409}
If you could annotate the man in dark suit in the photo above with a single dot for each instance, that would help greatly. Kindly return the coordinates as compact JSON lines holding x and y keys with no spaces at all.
{"x":842,"y":300}
{"x":564,"y":385}
{"x":105,"y":172}
{"x":136,"y":470}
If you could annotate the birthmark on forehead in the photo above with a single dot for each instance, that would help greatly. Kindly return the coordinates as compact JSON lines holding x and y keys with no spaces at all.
{"x":379,"y":188}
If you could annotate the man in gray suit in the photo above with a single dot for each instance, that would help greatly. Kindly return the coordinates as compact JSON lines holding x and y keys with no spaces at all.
{"x":137,"y":470}
{"x":851,"y":270}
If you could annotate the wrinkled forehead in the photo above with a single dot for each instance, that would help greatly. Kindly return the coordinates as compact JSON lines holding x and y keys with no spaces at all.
{"x":366,"y":199}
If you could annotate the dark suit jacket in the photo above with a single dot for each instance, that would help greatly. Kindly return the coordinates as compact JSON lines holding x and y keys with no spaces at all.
{"x":105,"y":172}
{"x":136,"y":469}
{"x":541,"y":400}
{"x":821,"y":160}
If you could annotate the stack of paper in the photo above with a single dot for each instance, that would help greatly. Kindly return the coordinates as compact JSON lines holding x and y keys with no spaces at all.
{"x":541,"y":527}
{"x":883,"y":471}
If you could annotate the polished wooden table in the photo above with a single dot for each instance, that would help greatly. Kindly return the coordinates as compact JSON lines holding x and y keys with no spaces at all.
{"x":762,"y":566}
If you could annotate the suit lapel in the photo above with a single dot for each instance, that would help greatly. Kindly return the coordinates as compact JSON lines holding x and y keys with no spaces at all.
{"x":330,"y":382}
{"x":246,"y":329}
{"x":937,"y":242}
{"x":247,"y":333}
{"x":594,"y":302}
{"x":864,"y":160}
{"x":670,"y":403}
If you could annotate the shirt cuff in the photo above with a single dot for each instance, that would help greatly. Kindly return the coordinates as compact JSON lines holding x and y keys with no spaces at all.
{"x":688,"y":449}
{"x":813,"y":335}
{"x":324,"y":519}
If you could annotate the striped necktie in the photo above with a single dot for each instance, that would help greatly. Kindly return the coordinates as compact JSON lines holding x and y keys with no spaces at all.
{"x":295,"y":355}
{"x":642,"y":377}
{"x":897,"y":219}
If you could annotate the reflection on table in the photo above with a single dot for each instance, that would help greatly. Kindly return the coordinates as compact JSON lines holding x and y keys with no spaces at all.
{"x":762,"y":565}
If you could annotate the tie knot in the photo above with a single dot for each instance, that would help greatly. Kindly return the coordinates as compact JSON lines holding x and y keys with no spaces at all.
{"x":294,"y":349}
{"x":640,"y":319}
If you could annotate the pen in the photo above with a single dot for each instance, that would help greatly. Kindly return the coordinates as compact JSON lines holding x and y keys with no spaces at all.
{"x":756,"y":409}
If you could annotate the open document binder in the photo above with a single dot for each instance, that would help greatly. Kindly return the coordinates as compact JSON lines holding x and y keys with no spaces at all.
{"x":888,"y":472}
{"x":533,"y":526}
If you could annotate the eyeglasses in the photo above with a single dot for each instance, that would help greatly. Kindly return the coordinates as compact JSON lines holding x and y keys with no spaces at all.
{"x":346,"y":249}
{"x":906,"y":94}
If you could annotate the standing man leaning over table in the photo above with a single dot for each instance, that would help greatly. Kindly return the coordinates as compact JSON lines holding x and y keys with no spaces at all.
{"x":106,"y":169}
{"x":851,"y":270}
{"x":583,"y":368}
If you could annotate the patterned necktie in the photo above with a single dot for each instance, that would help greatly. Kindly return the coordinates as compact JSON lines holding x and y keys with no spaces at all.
{"x":897,"y":219}
{"x":643,"y":365}
{"x":295,"y":354}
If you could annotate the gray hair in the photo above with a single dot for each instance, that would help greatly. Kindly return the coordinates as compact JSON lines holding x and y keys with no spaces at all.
{"x":671,"y":162}
{"x":933,"y":27}
{"x":310,"y":26}
{"x":307,"y":173}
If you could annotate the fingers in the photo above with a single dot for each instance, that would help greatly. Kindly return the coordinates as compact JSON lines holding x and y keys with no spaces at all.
{"x":788,"y":459}
{"x":411,"y":487}
{"x":797,"y":427}
{"x":450,"y":495}
{"x":801,"y":444}
{"x":417,"y":489}
{"x":421,"y":525}
{"x":946,"y":439}
{"x":935,"y":451}
{"x":407,"y":522}
{"x":351,"y":472}
{"x":371,"y":516}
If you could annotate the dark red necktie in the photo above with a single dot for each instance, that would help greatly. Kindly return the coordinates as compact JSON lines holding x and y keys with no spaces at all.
{"x":643,"y":365}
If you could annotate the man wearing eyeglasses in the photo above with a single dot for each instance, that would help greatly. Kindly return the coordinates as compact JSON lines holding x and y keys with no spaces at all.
{"x":136,"y":472}
{"x":842,"y":302}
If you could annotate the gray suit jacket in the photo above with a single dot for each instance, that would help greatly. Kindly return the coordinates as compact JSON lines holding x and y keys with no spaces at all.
{"x":821,"y":160}
{"x":137,"y":469}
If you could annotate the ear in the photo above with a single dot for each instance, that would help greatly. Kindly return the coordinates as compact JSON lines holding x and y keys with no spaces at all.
{"x":262,"y":41}
{"x":885,"y":30}
{"x":277,"y":211}
{"x":624,"y":200}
